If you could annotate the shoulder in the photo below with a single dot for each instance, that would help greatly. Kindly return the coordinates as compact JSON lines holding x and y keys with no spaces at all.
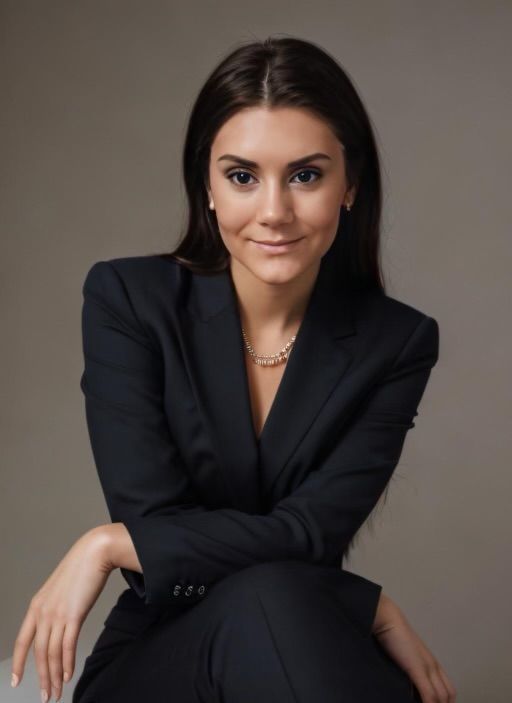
{"x":386,"y":322}
{"x":374,"y":305}
{"x":143,"y":282}
{"x":139,"y":291}
{"x":135,"y":272}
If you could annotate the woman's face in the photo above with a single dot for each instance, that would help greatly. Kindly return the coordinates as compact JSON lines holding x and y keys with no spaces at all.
{"x":272,"y":200}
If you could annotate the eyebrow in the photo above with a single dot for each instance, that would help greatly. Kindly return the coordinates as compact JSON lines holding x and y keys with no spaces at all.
{"x":291,"y":164}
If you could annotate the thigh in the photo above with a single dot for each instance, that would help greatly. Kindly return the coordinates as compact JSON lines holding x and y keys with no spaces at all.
{"x":167,"y":661}
{"x":125,"y":623}
{"x":110,"y":643}
{"x":323,"y":636}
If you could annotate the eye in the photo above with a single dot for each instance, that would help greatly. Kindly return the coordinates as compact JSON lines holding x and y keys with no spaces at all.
{"x":308,"y":170}
{"x":238,"y":173}
{"x":231,"y":175}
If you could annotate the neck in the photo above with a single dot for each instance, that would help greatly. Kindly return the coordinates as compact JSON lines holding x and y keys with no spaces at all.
{"x":271,"y":311}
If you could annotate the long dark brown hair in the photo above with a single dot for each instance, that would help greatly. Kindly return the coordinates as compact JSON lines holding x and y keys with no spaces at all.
{"x":291,"y":72}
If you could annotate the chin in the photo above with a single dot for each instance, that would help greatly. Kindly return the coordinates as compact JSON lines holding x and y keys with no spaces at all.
{"x":278,"y":272}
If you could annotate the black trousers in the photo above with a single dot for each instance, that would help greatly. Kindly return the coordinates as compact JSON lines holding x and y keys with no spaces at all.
{"x":272,"y":632}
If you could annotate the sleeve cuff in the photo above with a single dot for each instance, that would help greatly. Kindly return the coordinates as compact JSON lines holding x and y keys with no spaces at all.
{"x":359,"y":599}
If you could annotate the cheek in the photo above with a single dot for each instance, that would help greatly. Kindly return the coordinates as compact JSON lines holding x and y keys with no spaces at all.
{"x":320,"y":220}
{"x":321,"y":208}
{"x":233,"y":217}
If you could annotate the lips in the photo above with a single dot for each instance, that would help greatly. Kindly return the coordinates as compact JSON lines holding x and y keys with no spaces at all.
{"x":280,"y":246}
{"x":276,"y":243}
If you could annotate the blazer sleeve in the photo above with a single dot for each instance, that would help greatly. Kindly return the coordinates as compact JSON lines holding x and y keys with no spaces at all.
{"x":146,"y":486}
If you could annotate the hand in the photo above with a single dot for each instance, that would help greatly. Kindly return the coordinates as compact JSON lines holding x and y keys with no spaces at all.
{"x":57,"y":611}
{"x":405,"y":647}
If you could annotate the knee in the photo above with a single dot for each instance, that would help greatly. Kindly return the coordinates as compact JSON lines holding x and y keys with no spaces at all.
{"x":240,"y":605}
{"x":273,"y":579}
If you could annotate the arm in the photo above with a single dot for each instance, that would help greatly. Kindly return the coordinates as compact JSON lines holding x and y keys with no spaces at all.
{"x":118,"y":551}
{"x":139,"y":467}
{"x":147,"y":487}
{"x":364,"y":600}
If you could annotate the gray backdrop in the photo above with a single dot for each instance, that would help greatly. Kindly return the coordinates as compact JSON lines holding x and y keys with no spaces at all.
{"x":94,"y":102}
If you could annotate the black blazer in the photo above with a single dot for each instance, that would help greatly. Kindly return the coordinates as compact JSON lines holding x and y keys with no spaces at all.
{"x":169,"y":418}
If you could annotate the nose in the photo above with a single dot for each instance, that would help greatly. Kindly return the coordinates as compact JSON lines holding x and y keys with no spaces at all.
{"x":275,"y":206}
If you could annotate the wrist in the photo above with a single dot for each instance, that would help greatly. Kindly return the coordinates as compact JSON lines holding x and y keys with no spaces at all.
{"x":386,"y":610}
{"x":101,"y":539}
{"x":116,"y":546}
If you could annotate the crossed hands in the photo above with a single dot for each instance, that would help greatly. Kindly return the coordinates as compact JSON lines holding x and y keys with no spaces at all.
{"x":58,"y":609}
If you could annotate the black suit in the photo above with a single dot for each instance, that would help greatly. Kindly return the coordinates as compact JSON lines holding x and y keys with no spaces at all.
{"x":214,"y":512}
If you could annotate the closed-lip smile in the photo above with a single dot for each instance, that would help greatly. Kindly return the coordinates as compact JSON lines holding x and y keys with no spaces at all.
{"x":276,"y":243}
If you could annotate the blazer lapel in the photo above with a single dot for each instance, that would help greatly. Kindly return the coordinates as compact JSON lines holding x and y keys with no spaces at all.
{"x":215,"y":354}
{"x":313,"y":370}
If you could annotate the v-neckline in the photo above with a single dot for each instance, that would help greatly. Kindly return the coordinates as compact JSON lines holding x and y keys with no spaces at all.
{"x":279,"y":398}
{"x":258,"y":438}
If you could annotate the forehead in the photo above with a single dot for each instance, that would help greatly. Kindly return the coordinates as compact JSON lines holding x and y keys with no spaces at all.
{"x":285,"y":131}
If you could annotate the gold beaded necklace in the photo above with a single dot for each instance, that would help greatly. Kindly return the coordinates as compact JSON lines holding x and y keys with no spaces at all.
{"x":271,"y":359}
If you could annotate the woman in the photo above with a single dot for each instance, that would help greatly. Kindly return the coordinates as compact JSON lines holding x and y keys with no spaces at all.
{"x":247,"y":399}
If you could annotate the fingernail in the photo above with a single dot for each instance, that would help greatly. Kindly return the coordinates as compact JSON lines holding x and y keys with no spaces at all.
{"x":14,"y":680}
{"x":66,"y":676}
{"x":44,"y":696}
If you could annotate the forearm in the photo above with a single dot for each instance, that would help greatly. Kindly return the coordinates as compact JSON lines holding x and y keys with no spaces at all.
{"x":118,"y":545}
{"x":119,"y":552}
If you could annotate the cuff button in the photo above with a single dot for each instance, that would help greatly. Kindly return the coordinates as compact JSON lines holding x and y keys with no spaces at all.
{"x":189,"y":590}
{"x":177,"y":590}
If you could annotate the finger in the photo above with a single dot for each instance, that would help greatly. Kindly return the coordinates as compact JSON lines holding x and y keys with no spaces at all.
{"x":450,"y":687}
{"x":41,"y":657}
{"x":55,"y":658}
{"x":69,"y":644}
{"x":22,"y":645}
{"x":438,"y":684}
{"x":425,"y":689}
